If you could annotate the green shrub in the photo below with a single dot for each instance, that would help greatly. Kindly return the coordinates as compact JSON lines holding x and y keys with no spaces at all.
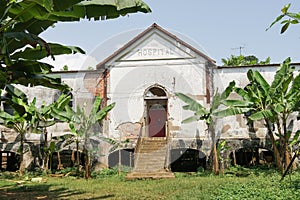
{"x":105,"y":173}
{"x":8,"y":175}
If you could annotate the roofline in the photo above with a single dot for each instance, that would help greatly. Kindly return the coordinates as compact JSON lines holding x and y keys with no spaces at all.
{"x":256,"y":65}
{"x":76,"y":71}
{"x":139,"y":36}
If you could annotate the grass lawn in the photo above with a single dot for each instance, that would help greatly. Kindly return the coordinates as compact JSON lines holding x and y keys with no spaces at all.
{"x":250,"y":185}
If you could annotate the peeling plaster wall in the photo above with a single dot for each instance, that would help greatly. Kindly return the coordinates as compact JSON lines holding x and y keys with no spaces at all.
{"x":127,"y":85}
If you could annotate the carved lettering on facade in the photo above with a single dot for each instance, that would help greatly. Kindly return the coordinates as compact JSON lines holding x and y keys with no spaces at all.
{"x":152,"y":52}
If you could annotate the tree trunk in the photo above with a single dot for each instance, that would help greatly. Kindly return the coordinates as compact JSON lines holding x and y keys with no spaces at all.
{"x":287,"y":155}
{"x":275,"y":149}
{"x":297,"y":153}
{"x":50,"y":159}
{"x":59,"y":166}
{"x":286,"y":151}
{"x":77,"y":155}
{"x":87,"y":174}
{"x":216,"y":169}
{"x":46,"y":154}
{"x":21,"y":168}
{"x":234,"y":158}
{"x":73,"y":157}
{"x":215,"y":159}
{"x":222,"y":167}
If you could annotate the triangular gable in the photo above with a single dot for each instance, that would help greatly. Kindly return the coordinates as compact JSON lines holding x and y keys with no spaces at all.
{"x":155,"y":47}
{"x":155,"y":43}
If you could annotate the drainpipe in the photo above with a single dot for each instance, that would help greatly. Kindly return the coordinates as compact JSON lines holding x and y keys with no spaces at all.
{"x":105,"y":73}
{"x":209,"y":72}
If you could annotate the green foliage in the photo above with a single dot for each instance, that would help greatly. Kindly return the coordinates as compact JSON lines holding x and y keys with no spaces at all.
{"x":201,"y":112}
{"x":69,"y":171}
{"x":28,"y":118}
{"x":65,"y":68}
{"x":105,"y":173}
{"x":242,"y":60}
{"x":81,"y":125}
{"x":8,"y":175}
{"x":21,"y":23}
{"x":21,"y":49}
{"x":259,"y":187}
{"x":208,"y":115}
{"x":273,"y":103}
{"x":79,"y":121}
{"x":286,"y":18}
{"x":221,"y":147}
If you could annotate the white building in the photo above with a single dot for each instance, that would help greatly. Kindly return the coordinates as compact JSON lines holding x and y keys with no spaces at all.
{"x":142,"y":78}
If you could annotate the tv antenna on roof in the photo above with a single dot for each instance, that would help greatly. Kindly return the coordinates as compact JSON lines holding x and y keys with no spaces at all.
{"x":239,"y":48}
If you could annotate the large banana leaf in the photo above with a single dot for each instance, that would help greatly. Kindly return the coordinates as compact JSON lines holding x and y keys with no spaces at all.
{"x":72,"y":10}
{"x":282,"y":78}
{"x":192,"y":104}
{"x":264,"y":85}
{"x":96,"y":105}
{"x":218,"y":98}
{"x":39,"y":53}
{"x":230,"y":111}
{"x":13,"y":91}
{"x":103,"y":112}
{"x":5,"y":116}
{"x":236,"y":103}
{"x":262,"y":114}
{"x":22,"y":21}
{"x":16,"y":40}
{"x":61,"y":115}
{"x":295,"y":88}
{"x":190,"y":119}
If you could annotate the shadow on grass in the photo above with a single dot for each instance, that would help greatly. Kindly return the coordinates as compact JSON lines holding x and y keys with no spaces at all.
{"x":44,"y":191}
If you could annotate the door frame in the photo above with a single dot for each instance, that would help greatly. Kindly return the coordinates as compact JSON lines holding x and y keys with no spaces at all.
{"x":159,"y":97}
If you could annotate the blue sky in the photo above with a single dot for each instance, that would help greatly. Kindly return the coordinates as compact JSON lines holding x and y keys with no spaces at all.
{"x":219,"y":27}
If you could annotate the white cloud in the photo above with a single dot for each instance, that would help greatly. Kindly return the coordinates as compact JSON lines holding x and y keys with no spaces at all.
{"x":74,"y":62}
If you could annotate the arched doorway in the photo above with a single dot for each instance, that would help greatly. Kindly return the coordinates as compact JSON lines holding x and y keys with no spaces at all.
{"x":252,"y":157}
{"x":127,"y":158}
{"x":9,"y":161}
{"x":156,"y":105}
{"x":187,"y":160}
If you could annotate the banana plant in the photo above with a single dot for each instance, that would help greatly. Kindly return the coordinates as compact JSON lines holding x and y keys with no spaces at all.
{"x":220,"y":148}
{"x":27,"y":117}
{"x":274,"y":103}
{"x":81,"y":124}
{"x":21,"y":120}
{"x":208,"y":116}
{"x":45,"y":119}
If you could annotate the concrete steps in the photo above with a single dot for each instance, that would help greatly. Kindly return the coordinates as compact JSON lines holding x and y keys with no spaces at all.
{"x":150,"y":160}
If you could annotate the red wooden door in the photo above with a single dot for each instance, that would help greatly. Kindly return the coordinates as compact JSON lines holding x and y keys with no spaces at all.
{"x":157,"y":121}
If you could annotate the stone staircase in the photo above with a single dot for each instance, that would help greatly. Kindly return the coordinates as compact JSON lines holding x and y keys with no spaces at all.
{"x":151,"y":155}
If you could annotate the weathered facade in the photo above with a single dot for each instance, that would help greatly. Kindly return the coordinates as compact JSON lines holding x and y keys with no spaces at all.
{"x":142,"y":78}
